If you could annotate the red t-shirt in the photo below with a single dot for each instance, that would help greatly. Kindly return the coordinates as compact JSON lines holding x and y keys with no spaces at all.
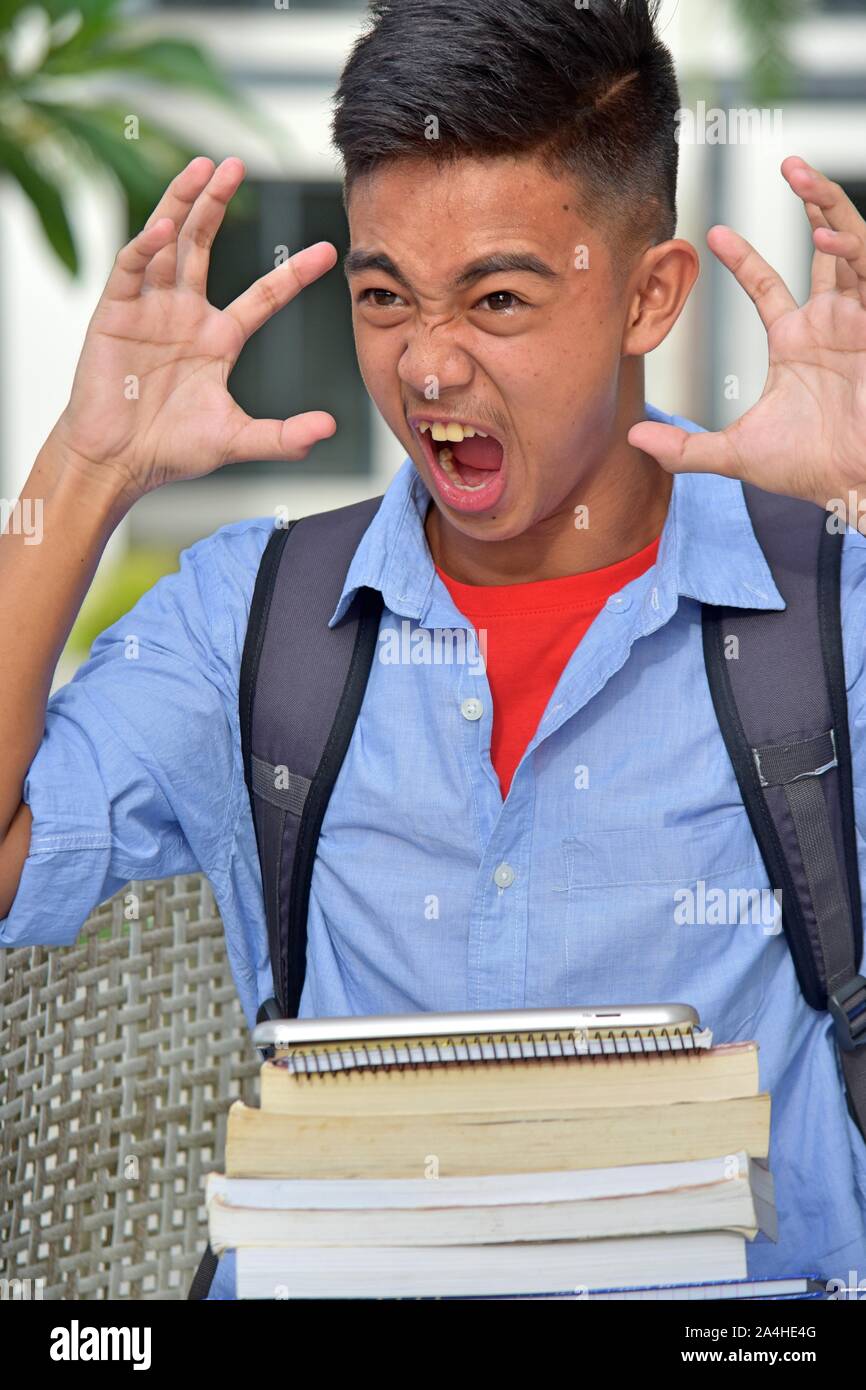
{"x":532,"y":630}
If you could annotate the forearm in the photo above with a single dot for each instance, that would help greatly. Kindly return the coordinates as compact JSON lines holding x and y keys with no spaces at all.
{"x":72,"y":509}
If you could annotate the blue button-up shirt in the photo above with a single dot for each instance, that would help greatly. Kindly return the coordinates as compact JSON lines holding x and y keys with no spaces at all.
{"x":589,"y":884}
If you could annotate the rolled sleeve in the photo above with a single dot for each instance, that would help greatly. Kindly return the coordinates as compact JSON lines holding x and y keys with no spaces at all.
{"x":67,"y":870}
{"x":138,"y":769}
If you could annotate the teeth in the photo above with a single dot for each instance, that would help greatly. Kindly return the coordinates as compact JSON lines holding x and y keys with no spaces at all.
{"x":446,"y":462}
{"x":452,"y":432}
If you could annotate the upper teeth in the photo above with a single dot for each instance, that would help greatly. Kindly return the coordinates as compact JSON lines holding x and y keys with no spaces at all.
{"x":453,"y":432}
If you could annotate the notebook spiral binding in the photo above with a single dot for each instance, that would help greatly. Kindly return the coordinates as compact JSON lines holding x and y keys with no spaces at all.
{"x":463,"y":1051}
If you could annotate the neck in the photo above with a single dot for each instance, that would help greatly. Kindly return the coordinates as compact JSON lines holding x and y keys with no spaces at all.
{"x":626,"y":495}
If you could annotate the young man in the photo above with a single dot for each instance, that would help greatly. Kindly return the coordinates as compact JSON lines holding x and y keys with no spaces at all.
{"x":500,"y":840}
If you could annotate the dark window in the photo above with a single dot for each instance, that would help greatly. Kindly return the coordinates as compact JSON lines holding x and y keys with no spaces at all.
{"x":856,"y":191}
{"x":304,"y":357}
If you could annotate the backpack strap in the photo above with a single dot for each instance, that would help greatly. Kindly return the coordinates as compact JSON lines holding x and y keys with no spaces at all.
{"x":301,"y":688}
{"x":777,"y":681}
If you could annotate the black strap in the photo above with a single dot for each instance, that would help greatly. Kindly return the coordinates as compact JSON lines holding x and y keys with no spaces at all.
{"x":316,"y":802}
{"x":257,"y":625}
{"x":203,"y":1278}
{"x":302,"y":683}
{"x":777,"y":680}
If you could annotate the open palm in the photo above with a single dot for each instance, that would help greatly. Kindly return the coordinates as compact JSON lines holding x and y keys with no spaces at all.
{"x":806,"y":436}
{"x":150,"y":396}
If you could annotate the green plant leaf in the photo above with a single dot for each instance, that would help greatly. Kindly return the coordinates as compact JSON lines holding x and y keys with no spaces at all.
{"x":45,"y":198}
{"x":172,"y":61}
{"x":142,"y":166}
{"x":766,"y":25}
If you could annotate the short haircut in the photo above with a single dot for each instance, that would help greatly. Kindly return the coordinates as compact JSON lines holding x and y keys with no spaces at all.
{"x":590,"y":91}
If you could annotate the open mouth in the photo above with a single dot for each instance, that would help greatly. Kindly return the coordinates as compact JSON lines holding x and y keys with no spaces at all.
{"x":466,"y":461}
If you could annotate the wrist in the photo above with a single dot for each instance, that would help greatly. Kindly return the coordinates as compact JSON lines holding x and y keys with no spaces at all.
{"x":66,"y":475}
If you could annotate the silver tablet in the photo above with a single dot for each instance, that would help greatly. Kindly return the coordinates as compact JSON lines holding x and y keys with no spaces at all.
{"x":294,"y":1032}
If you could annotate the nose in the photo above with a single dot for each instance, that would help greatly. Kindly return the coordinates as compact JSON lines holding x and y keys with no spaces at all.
{"x":433,"y":361}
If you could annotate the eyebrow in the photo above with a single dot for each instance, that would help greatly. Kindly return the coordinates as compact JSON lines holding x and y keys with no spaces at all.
{"x":356,"y":262}
{"x":498,"y":262}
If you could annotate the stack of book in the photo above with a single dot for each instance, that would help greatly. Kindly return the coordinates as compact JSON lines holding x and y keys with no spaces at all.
{"x":424,"y":1171}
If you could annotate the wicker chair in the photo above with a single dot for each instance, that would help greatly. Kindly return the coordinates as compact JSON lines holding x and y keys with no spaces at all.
{"x":121,"y":1055}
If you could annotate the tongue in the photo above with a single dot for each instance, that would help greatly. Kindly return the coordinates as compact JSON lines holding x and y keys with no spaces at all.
{"x":476,"y":459}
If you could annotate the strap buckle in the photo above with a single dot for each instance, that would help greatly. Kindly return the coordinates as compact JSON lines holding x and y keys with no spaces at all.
{"x":850,"y":1021}
{"x":782,"y":764}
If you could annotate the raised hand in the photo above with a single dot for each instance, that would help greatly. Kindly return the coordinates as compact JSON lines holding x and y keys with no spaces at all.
{"x":150,"y":397}
{"x":806,"y":436}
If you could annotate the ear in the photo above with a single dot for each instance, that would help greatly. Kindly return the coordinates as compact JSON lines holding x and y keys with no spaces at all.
{"x":658,"y":289}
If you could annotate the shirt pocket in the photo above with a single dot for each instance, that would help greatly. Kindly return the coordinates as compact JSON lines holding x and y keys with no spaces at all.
{"x":670,"y":913}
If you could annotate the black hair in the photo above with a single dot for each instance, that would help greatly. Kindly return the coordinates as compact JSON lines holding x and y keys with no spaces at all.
{"x":589,"y":90}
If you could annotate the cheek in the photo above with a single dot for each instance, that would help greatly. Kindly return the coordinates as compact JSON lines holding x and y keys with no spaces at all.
{"x":377,"y":355}
{"x":563,"y":374}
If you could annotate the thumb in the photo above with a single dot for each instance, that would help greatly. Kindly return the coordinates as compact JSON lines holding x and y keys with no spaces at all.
{"x":278,"y":440}
{"x":680,"y":451}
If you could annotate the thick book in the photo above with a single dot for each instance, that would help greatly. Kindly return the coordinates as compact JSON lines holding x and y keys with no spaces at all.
{"x":441,"y":1271}
{"x":474,"y":1142}
{"x":729,"y":1193}
{"x":302,"y":1084}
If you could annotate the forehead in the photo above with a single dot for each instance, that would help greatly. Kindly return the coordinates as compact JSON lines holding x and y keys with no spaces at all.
{"x":433,"y":218}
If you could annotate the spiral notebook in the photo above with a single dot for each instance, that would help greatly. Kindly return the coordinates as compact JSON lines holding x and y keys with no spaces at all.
{"x":516,"y":1091}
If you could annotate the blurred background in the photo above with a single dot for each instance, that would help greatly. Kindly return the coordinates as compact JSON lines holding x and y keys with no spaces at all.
{"x":101,"y":101}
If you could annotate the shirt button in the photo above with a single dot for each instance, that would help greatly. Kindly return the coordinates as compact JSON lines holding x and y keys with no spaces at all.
{"x":618,"y":603}
{"x":472,"y":709}
{"x":503,"y":876}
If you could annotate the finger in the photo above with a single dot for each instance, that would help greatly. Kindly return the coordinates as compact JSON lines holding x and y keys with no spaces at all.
{"x":197,"y":236}
{"x":824,"y":275}
{"x":273,"y":291}
{"x":764,"y":285}
{"x":848,"y":250}
{"x":829,"y":272}
{"x":681,"y":451}
{"x":831,"y":198}
{"x":132,"y":260}
{"x":176,"y":202}
{"x":279,"y":440}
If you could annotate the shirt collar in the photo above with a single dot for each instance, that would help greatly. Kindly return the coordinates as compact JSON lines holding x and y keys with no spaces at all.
{"x":708,"y":551}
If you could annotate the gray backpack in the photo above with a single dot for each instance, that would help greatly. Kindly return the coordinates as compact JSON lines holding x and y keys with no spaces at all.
{"x":777,"y":682}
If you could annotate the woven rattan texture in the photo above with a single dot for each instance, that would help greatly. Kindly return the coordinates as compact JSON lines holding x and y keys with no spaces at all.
{"x":120,"y":1057}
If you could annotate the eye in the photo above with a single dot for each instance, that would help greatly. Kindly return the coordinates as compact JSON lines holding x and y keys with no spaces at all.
{"x":379,"y":298}
{"x":502,"y":301}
